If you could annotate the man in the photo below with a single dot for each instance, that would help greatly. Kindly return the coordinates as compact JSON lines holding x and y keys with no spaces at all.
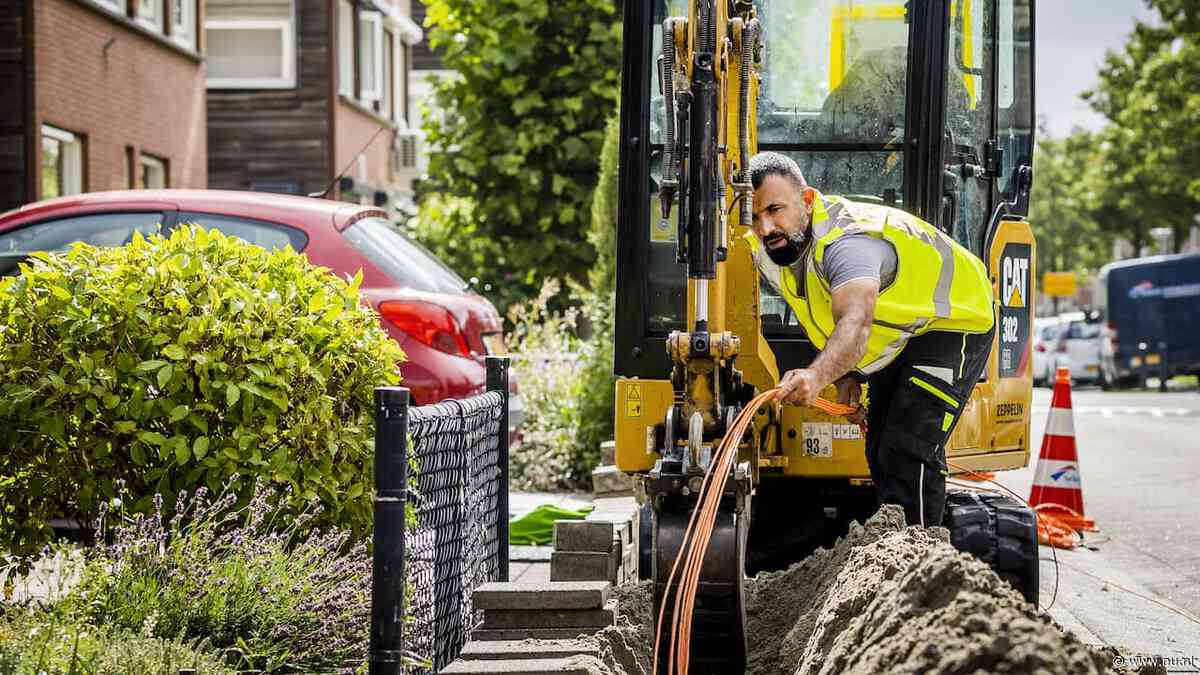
{"x":887,"y":299}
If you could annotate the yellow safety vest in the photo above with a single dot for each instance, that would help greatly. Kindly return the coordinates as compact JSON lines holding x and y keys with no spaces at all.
{"x":939,"y":285}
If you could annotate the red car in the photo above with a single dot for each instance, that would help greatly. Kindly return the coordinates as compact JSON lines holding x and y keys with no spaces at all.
{"x":444,"y":328}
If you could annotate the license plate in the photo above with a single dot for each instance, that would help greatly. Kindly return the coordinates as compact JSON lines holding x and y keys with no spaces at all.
{"x":495,"y":344}
{"x":1091,"y":368}
{"x":1153,"y":359}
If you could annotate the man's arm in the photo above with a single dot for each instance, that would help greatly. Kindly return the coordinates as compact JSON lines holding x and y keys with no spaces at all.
{"x":853,"y":313}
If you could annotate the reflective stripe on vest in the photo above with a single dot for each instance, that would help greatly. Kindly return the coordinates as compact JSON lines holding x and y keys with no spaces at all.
{"x":939,"y":285}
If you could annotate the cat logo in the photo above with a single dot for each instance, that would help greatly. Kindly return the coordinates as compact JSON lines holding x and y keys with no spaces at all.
{"x":1014,"y":286}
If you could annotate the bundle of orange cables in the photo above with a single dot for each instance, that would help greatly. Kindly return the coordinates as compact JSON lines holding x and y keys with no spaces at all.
{"x":699,"y":531}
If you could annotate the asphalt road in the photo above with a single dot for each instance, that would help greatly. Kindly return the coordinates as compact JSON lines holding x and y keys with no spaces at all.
{"x":1139,"y":456}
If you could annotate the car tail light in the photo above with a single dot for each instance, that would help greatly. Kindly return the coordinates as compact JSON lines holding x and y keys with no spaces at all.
{"x":428,"y":324}
{"x":1062,"y":347}
{"x":1041,"y":347}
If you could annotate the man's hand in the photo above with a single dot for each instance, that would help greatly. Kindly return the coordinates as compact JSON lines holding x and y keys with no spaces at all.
{"x":850,"y":393}
{"x":800,"y":386}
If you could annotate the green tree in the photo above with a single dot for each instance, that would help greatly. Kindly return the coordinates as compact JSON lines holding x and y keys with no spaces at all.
{"x":518,"y":134}
{"x":1063,"y":204}
{"x":1150,"y":93}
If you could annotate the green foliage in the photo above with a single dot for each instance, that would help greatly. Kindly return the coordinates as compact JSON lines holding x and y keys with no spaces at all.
{"x":248,"y":580}
{"x":35,"y":642}
{"x":598,"y":384}
{"x":545,"y":357}
{"x":1069,"y":235}
{"x":1150,"y":170}
{"x":173,"y":363}
{"x":516,"y":137}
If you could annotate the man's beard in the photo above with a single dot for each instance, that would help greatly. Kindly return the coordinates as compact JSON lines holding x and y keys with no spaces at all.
{"x":790,"y":252}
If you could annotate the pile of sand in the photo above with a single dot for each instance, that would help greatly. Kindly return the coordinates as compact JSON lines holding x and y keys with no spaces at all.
{"x":886,"y":598}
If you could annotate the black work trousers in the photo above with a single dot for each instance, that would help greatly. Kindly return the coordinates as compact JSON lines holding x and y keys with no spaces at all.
{"x":912,"y":407}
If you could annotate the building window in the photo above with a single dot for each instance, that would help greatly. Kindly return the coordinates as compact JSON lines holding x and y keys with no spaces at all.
{"x":62,"y":163}
{"x":385,"y":103}
{"x":149,"y":14}
{"x":250,"y":53}
{"x":370,"y":55}
{"x":153,"y":172}
{"x":117,"y":6}
{"x":183,"y":22}
{"x":346,"y":48}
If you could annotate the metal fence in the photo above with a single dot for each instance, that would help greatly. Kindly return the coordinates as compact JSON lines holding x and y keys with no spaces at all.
{"x":460,"y":449}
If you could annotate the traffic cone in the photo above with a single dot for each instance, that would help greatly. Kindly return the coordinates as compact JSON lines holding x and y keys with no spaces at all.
{"x":1057,"y":485}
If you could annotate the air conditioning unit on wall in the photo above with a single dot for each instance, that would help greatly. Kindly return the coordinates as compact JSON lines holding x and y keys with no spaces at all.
{"x":406,"y":152}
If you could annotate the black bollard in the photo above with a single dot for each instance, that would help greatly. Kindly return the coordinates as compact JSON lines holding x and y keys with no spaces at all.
{"x":391,"y":495}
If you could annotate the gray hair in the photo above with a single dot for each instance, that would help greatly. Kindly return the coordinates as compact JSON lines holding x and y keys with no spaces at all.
{"x":775,"y":164}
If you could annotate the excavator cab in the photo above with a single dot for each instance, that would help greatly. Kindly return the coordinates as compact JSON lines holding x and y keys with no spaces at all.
{"x":924,"y":105}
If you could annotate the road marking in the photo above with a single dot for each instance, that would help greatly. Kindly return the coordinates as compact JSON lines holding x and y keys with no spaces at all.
{"x":1153,"y":411}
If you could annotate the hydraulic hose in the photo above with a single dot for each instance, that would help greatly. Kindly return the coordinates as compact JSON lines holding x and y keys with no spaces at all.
{"x":749,"y":42}
{"x":668,"y":81}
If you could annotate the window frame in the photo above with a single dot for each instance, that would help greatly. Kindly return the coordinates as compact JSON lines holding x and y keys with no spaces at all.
{"x":287,"y":78}
{"x":386,"y":104}
{"x":116,"y":6}
{"x":158,"y":22}
{"x":156,"y":164}
{"x":347,"y":49}
{"x":71,"y":156}
{"x":373,"y":21}
{"x":184,"y":32}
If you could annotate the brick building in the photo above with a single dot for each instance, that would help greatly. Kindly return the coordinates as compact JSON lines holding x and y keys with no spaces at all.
{"x":100,"y":95}
{"x":299,"y":90}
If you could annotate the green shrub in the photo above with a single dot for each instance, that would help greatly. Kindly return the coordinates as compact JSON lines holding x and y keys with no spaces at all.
{"x":546,"y":357}
{"x":34,"y":642}
{"x":174,"y":363}
{"x":598,"y":389}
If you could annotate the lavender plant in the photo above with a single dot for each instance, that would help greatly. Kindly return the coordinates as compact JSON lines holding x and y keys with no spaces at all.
{"x":252,"y":580}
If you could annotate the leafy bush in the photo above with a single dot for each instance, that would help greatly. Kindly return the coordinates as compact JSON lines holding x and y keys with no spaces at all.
{"x":598,"y":390}
{"x":247,"y":580}
{"x":546,"y":356}
{"x":175,"y":363}
{"x":517,"y":134}
{"x":44,"y":643}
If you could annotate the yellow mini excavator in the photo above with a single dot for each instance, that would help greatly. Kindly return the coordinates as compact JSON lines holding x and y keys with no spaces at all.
{"x":925,"y":105}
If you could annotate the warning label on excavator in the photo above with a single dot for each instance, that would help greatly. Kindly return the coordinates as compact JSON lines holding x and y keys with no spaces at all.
{"x":846,"y":432}
{"x":818,"y":439}
{"x":633,"y":401}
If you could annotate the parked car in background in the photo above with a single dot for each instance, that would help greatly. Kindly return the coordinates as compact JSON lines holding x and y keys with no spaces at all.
{"x":1151,"y":312}
{"x":445,"y":329}
{"x":1045,"y":340}
{"x":1078,"y":346}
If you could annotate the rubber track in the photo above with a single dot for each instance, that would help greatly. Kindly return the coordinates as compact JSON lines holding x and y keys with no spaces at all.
{"x":998,"y":530}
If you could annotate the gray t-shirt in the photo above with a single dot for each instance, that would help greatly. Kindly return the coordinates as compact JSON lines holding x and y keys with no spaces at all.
{"x":859,"y":256}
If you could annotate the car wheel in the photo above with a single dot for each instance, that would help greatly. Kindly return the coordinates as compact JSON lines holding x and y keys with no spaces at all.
{"x":998,"y":530}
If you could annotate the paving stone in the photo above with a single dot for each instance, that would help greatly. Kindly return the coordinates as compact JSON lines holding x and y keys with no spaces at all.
{"x":533,"y":596}
{"x":583,"y":566}
{"x":550,"y":618}
{"x":527,"y":649}
{"x":608,"y":481}
{"x":516,"y":667}
{"x":583,"y":535}
{"x":531,"y":633}
{"x":529,"y":553}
